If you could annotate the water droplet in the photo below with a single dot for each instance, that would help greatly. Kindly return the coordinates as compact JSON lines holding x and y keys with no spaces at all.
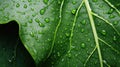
{"x":29,"y":0}
{"x":103,"y":32}
{"x":59,"y":2}
{"x":94,"y":0}
{"x":110,"y":11}
{"x":83,"y":22}
{"x":88,"y":39}
{"x":67,"y":34}
{"x":73,"y":11}
{"x":37,"y":20}
{"x":114,"y":38}
{"x":32,"y":34}
{"x":42,"y":11}
{"x":30,"y":21}
{"x":41,"y":25}
{"x":45,"y":1}
{"x":83,"y":45}
{"x":58,"y":53}
{"x":69,"y":55}
{"x":115,"y":22}
{"x":10,"y":60}
{"x":17,"y":5}
{"x":112,"y":16}
{"x":73,"y":2}
{"x":82,"y":30}
{"x":25,"y":6}
{"x":47,"y":20}
{"x":34,"y":14}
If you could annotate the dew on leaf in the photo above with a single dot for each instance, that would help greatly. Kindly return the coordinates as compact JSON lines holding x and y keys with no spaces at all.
{"x":83,"y":45}
{"x":114,"y":38}
{"x":42,"y":11}
{"x":83,"y":22}
{"x":110,"y":11}
{"x":103,"y":32}
{"x":94,"y":0}
{"x":58,"y":53}
{"x":10,"y":60}
{"x":115,"y":22}
{"x":32,"y":34}
{"x":29,"y":0}
{"x":45,"y":1}
{"x":69,"y":55}
{"x":25,"y":6}
{"x":17,"y":5}
{"x":73,"y":11}
{"x":82,"y":30}
{"x":112,"y":16}
{"x":47,"y":20}
{"x":37,"y":20}
{"x":67,"y":34}
{"x":30,"y":21}
{"x":41,"y":24}
{"x":73,"y":2}
{"x":88,"y":39}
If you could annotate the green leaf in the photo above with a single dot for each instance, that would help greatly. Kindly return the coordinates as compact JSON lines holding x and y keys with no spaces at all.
{"x":67,"y":33}
{"x":12,"y":51}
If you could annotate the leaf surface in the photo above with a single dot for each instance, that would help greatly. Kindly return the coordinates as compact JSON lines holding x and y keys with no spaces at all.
{"x":67,"y":33}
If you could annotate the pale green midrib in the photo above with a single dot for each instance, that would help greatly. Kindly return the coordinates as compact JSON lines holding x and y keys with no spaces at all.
{"x":61,"y":7}
{"x":106,"y":22}
{"x":73,"y":26}
{"x":94,"y":31}
{"x":112,"y":6}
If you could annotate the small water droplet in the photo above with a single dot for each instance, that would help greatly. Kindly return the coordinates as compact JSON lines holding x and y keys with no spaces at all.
{"x":83,"y":45}
{"x":42,"y":11}
{"x":37,"y":20}
{"x":30,"y":21}
{"x":94,"y":0}
{"x":103,"y":32}
{"x":25,"y":6}
{"x":110,"y":11}
{"x":73,"y":11}
{"x":10,"y":60}
{"x":82,"y":30}
{"x":17,"y":5}
{"x":114,"y":38}
{"x":115,"y":22}
{"x":112,"y":16}
{"x":59,"y":2}
{"x":32,"y":34}
{"x":67,"y":34}
{"x":69,"y":55}
{"x":83,"y":22}
{"x":88,"y":39}
{"x":47,"y":20}
{"x":29,"y":0}
{"x":45,"y":1}
{"x":41,"y":25}
{"x":74,"y":2}
{"x":58,"y":53}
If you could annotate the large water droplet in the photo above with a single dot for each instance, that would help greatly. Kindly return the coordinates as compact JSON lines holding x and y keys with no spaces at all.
{"x":73,"y":11}
{"x":41,"y":25}
{"x":83,"y":45}
{"x":45,"y":1}
{"x":103,"y":32}
{"x":25,"y":6}
{"x":42,"y":11}
{"x":47,"y":20}
{"x":17,"y":5}
{"x":37,"y":20}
